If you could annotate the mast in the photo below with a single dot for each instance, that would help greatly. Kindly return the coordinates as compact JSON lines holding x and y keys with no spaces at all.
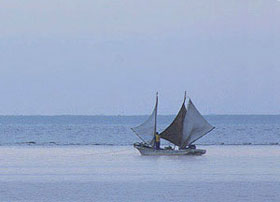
{"x":155,"y":127}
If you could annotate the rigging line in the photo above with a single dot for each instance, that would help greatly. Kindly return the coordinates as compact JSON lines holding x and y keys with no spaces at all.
{"x":138,"y":135}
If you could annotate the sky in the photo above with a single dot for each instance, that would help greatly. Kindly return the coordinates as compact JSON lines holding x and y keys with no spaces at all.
{"x":93,"y":57}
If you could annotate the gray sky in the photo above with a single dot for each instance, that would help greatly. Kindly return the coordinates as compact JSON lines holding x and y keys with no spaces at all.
{"x":110,"y":57}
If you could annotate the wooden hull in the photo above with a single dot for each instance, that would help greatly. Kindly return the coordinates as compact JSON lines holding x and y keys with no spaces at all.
{"x":148,"y":151}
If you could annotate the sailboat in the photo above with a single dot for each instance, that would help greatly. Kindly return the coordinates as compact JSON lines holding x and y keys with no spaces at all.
{"x":188,"y":126}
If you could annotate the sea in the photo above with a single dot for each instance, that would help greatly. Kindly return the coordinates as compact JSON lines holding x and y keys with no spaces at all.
{"x":91,"y":158}
{"x":115,"y":130}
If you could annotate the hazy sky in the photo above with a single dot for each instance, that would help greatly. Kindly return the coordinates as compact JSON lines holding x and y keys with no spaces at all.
{"x":110,"y":57}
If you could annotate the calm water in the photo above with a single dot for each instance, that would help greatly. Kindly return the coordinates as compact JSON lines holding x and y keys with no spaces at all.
{"x":105,"y":173}
{"x":247,"y":170}
{"x":115,"y":130}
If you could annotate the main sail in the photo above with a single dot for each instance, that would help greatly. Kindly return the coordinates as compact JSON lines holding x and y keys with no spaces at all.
{"x":147,"y":130}
{"x":188,"y":126}
{"x":174,"y":132}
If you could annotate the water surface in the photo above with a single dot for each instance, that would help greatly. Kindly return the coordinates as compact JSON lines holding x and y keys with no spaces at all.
{"x":115,"y":130}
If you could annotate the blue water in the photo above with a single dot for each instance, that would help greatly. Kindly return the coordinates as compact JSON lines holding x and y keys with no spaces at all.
{"x":115,"y":130}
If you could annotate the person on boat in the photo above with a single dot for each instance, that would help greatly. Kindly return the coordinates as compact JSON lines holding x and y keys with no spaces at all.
{"x":157,"y":141}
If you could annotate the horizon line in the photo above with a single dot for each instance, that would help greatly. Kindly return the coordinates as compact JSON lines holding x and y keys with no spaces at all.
{"x":126,"y":115}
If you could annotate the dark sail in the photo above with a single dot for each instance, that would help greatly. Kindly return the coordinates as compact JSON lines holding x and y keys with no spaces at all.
{"x":188,"y":126}
{"x":174,"y":132}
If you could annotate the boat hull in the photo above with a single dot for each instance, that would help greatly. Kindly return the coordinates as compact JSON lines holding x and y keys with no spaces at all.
{"x":148,"y":151}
